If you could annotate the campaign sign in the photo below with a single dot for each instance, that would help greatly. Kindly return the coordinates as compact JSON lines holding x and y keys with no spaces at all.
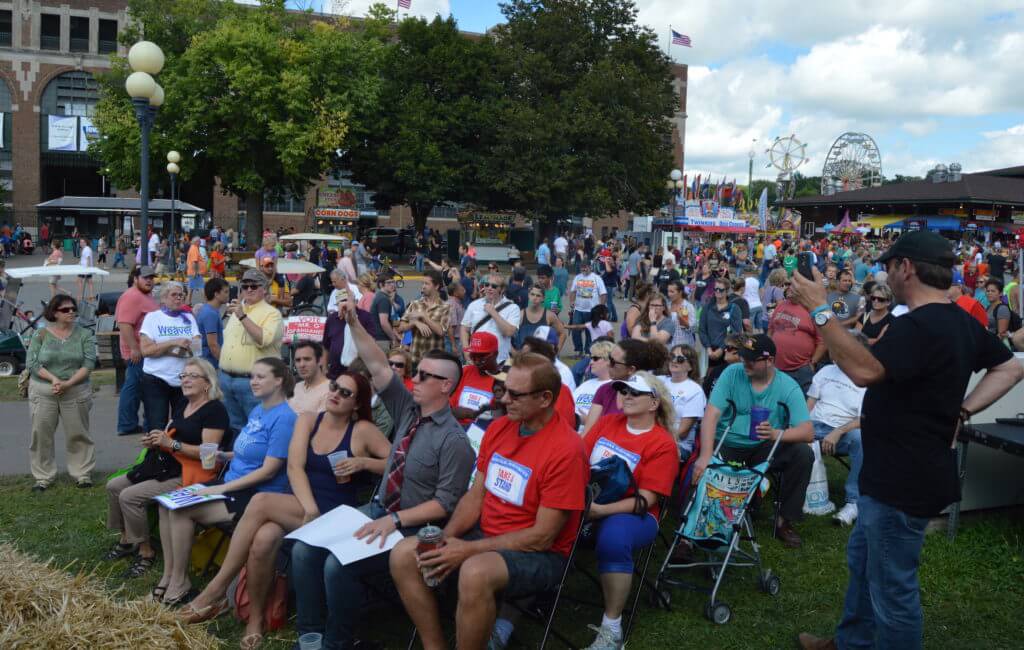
{"x":305,"y":328}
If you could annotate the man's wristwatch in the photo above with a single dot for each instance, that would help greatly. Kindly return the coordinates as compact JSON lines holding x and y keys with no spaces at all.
{"x":243,"y":317}
{"x":176,"y":445}
{"x":396,"y":520}
{"x":822,"y":314}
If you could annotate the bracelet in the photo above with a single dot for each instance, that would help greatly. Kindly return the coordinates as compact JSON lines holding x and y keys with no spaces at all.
{"x":243,"y":317}
{"x":396,"y":520}
{"x":817,"y":310}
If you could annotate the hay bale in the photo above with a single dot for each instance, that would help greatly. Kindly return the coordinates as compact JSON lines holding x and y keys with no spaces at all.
{"x":46,"y":607}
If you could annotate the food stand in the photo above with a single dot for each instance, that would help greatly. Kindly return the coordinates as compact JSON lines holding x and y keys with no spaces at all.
{"x":336,"y":212}
{"x":489,"y":233}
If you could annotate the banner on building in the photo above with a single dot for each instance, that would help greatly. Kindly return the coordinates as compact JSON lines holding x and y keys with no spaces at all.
{"x":87,"y":132}
{"x":63,"y":133}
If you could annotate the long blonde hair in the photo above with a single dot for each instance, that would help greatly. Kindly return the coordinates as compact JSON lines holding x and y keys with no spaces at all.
{"x":666,"y":413}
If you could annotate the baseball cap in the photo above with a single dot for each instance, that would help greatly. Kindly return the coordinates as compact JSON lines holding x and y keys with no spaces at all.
{"x":921,"y":246}
{"x":482,"y":343}
{"x":637,"y":383}
{"x":545,"y":271}
{"x":546,"y":333}
{"x":252,"y":275}
{"x":756,"y":347}
{"x":147,"y":272}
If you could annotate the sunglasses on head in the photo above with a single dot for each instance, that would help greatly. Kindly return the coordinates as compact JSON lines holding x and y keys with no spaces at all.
{"x":344,"y":392}
{"x":626,"y":390}
{"x":67,"y":310}
{"x":423,"y":375}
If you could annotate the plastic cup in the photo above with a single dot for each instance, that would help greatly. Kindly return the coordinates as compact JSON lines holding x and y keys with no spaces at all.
{"x":311,"y":641}
{"x":758,"y":414}
{"x":334,"y":459}
{"x":208,"y":455}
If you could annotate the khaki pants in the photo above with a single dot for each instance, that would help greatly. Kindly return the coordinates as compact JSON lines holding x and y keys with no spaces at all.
{"x":127,"y":503}
{"x":72,"y":409}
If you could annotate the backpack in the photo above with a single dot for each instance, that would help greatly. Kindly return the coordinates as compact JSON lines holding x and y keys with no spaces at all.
{"x":1015,"y":321}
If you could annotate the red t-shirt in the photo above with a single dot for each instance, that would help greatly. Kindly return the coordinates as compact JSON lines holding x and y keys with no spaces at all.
{"x":974,"y":308}
{"x":474,"y":391}
{"x":565,"y":405}
{"x":794,"y":334}
{"x":523,"y":473}
{"x":132,"y":307}
{"x":652,"y":456}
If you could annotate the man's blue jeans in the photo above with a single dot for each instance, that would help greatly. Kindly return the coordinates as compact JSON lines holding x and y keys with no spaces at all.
{"x":849,"y":445}
{"x":238,"y":399}
{"x":883,"y":599}
{"x":578,"y":336}
{"x":130,"y":398}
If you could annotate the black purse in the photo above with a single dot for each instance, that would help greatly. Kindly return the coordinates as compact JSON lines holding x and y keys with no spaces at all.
{"x":156,"y":465}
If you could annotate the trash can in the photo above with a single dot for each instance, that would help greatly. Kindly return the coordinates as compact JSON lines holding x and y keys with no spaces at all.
{"x":69,"y":245}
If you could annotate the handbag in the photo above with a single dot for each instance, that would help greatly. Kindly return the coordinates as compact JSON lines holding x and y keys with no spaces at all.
{"x":275,"y":614}
{"x":156,"y":465}
{"x":614,"y":480}
{"x":25,"y":377}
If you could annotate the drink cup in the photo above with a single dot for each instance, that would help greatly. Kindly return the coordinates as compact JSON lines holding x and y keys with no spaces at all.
{"x":758,"y":414}
{"x":334,"y":459}
{"x":311,"y":641}
{"x":429,"y":538}
{"x":196,"y":346}
{"x":208,"y":455}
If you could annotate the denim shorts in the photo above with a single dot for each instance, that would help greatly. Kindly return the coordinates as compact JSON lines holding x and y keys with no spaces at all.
{"x":529,"y":572}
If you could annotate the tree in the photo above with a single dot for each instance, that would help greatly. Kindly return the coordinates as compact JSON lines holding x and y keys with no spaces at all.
{"x":585,"y":125}
{"x":257,"y":96}
{"x":420,"y":144}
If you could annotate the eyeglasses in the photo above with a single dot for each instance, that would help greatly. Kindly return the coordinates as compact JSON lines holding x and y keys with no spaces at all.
{"x":492,"y":285}
{"x":68,"y":310}
{"x":514,"y":396}
{"x":424,"y":375}
{"x":190,"y":375}
{"x":680,"y":359}
{"x":397,"y":364}
{"x":720,"y":289}
{"x":250,"y":287}
{"x":613,"y":362}
{"x":879,"y":299}
{"x":657,"y":304}
{"x":730,"y":348}
{"x":626,"y":390}
{"x":344,"y":392}
{"x":176,"y":295}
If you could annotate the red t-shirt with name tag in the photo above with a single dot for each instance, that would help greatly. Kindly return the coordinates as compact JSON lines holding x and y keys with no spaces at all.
{"x":523,"y":473}
{"x":652,"y":456}
{"x":474,"y":391}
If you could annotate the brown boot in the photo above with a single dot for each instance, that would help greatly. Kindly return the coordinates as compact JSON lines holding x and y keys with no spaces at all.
{"x":788,"y":536}
{"x":810,"y":642}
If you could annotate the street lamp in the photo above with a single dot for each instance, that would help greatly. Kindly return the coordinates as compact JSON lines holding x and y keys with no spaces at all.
{"x":146,"y":59}
{"x":173,"y":158}
{"x":750,"y":169}
{"x":675,"y":185}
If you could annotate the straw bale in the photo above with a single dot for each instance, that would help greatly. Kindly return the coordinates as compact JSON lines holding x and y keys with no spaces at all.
{"x":46,"y":607}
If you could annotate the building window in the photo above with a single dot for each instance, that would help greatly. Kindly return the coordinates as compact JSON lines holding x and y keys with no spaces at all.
{"x":79,"y":34}
{"x":49,"y":32}
{"x":284,"y":203}
{"x":443,"y":212}
{"x":72,"y":93}
{"x":107,"y":36}
{"x":5,"y":27}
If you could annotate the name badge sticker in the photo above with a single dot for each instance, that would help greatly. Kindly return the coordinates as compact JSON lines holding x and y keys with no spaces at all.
{"x":474,"y":398}
{"x":507,"y":479}
{"x":605,"y":448}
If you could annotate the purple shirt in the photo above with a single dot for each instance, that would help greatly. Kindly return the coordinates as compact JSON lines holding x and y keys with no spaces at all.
{"x":605,"y":397}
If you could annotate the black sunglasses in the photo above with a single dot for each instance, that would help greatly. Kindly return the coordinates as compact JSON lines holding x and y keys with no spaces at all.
{"x":720,"y":289}
{"x":424,"y":375}
{"x":730,"y":348}
{"x":597,"y":357}
{"x":492,"y":285}
{"x":397,"y":364}
{"x":249,"y":287}
{"x":680,"y":359}
{"x":513,"y":395}
{"x":626,"y":390}
{"x":344,"y":392}
{"x":613,"y":362}
{"x":68,"y":310}
{"x":879,"y":299}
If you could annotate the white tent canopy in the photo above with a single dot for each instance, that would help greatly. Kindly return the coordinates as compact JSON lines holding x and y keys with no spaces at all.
{"x":55,"y":269}
{"x":313,"y":236}
{"x":285,"y":265}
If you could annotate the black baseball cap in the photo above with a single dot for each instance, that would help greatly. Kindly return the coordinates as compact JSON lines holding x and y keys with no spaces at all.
{"x":756,"y":347}
{"x":921,"y":246}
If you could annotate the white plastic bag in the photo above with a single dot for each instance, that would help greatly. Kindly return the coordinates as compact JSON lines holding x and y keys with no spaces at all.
{"x":816,"y":501}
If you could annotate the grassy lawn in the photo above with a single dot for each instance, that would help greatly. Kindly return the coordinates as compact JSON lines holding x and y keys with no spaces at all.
{"x":973,"y":588}
{"x":9,"y":385}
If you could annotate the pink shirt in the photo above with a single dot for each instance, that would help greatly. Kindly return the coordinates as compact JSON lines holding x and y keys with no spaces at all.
{"x":794,"y":334}
{"x":132,"y":307}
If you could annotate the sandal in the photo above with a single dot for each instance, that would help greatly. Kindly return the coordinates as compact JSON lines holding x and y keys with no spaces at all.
{"x":251,"y":641}
{"x":190,"y":614}
{"x":183,"y":599}
{"x":140,"y":566}
{"x":157,"y":594}
{"x":121,"y":550}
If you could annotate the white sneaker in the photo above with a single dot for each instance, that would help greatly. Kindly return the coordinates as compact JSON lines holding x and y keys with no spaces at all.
{"x":847,"y":515}
{"x":606,"y":639}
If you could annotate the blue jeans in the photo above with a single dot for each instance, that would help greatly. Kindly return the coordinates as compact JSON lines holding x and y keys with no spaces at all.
{"x":419,"y":262}
{"x":849,"y":445}
{"x":238,"y":399}
{"x":129,"y":400}
{"x":578,"y":336}
{"x":619,"y":537}
{"x":883,"y":600}
{"x":613,"y":316}
{"x":119,"y":259}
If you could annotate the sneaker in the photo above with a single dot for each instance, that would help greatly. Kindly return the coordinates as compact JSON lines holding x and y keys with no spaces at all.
{"x":847,"y":515}
{"x":495,"y":641}
{"x":606,"y":639}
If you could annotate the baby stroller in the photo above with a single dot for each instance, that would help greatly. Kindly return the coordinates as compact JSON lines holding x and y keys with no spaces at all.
{"x":387,"y":270}
{"x":717,"y":521}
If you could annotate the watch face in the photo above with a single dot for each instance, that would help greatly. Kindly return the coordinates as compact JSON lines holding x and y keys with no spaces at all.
{"x":822,"y":318}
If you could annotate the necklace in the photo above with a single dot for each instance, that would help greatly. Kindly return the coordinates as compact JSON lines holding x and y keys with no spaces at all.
{"x":63,"y":338}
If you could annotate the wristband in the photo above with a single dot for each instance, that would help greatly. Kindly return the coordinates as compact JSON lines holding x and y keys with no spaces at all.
{"x":817,"y":310}
{"x":243,"y":317}
{"x":396,"y":520}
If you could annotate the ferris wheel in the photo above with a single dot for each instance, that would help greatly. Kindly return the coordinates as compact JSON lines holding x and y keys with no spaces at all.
{"x":786,"y":154}
{"x":853,"y":162}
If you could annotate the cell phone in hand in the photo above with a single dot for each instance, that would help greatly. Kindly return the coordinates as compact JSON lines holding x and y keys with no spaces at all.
{"x":804,"y":262}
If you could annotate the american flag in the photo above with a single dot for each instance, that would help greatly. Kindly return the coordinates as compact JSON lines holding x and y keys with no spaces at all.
{"x":677,"y":38}
{"x":405,"y":4}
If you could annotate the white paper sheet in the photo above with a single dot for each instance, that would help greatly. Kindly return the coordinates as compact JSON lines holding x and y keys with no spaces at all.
{"x":335,"y":531}
{"x":186,"y":497}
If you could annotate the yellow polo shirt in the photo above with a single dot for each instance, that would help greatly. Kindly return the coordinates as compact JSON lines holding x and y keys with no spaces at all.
{"x":239,"y":351}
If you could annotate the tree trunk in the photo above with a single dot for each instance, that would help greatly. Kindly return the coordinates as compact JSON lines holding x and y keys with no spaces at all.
{"x":254,"y":220}
{"x":420,"y":212}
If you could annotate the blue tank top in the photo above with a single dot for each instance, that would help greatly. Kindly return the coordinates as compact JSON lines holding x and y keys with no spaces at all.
{"x":327,"y":492}
{"x":527,"y":328}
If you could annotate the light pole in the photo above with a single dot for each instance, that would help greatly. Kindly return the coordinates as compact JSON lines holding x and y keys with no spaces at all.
{"x":750,"y":168}
{"x":674,"y":185}
{"x":146,"y":59}
{"x":173,"y":158}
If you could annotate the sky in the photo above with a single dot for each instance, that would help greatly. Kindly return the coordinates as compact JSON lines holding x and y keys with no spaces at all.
{"x":931,"y":82}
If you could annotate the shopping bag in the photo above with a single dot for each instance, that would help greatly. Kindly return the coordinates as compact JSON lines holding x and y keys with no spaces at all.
{"x":816,"y":501}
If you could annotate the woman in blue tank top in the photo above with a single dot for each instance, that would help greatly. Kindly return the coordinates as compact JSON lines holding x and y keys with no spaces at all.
{"x":317,"y":486}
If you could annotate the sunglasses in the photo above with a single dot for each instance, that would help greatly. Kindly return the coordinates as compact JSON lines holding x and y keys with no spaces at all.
{"x":596,"y":358}
{"x":514,"y":395}
{"x":626,"y":390}
{"x":492,"y":285}
{"x":720,"y":289}
{"x":731,"y":348}
{"x":68,"y":310}
{"x":190,"y":375}
{"x":680,"y":359}
{"x":879,"y":299}
{"x":397,"y":364}
{"x":424,"y":375}
{"x":250,"y":287}
{"x":613,"y":362}
{"x":344,"y":392}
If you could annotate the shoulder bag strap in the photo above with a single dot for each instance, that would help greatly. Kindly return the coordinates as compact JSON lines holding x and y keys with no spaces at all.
{"x":483,"y":321}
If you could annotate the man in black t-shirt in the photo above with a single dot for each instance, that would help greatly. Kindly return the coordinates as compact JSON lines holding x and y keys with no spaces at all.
{"x":917,"y":376}
{"x":997,"y":264}
{"x":381,"y":310}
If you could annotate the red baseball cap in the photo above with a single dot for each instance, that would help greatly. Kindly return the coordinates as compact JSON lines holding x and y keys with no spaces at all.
{"x":482,"y":343}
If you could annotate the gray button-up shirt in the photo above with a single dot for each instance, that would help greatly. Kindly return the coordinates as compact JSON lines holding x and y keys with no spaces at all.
{"x":440,"y":458}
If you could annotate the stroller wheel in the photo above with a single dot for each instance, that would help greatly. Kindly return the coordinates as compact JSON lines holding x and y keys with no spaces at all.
{"x":718,"y":613}
{"x":400,"y":283}
{"x":770,"y":584}
{"x":661,"y":598}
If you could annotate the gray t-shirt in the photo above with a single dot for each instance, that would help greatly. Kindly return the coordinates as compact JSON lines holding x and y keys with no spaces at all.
{"x":844,"y":305}
{"x":381,"y":305}
{"x":667,"y":325}
{"x":440,"y":458}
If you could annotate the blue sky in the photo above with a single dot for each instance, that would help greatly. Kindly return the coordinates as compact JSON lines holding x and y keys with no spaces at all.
{"x":929,"y":81}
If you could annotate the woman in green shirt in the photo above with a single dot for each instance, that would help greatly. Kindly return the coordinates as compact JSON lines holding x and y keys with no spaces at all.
{"x":60,"y":358}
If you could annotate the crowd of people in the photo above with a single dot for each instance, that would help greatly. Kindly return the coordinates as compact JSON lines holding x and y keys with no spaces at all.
{"x":457,"y":409}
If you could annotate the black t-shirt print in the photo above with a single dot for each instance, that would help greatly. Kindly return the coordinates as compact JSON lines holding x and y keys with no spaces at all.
{"x":908,"y":419}
{"x":212,"y":415}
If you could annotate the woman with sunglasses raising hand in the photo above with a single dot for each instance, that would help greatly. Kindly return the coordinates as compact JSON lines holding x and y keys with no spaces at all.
{"x":60,"y":358}
{"x":876,"y":321}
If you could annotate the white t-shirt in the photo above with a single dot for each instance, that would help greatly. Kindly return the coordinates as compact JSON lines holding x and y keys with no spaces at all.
{"x":584,"y":395}
{"x":604,"y":328}
{"x":85,"y":259}
{"x":588,"y":290}
{"x":839,"y":399}
{"x":689,"y":401}
{"x":154,"y":243}
{"x":332,"y":300}
{"x":566,"y":374}
{"x":511,"y":313}
{"x":750,"y":294}
{"x":561,"y":245}
{"x":160,"y":327}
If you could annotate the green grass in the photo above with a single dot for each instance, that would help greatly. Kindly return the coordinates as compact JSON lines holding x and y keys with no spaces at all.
{"x":9,"y":385}
{"x":972,"y":589}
